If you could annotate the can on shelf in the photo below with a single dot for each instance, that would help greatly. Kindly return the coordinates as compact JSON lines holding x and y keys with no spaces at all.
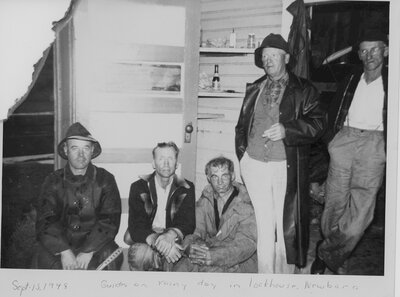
{"x":251,"y":40}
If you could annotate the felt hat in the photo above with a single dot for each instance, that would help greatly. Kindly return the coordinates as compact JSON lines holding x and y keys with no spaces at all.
{"x":372,"y":34}
{"x":77,"y":131}
{"x":272,"y":40}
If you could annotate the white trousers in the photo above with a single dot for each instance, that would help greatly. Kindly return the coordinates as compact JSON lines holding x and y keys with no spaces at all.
{"x":266,"y":185}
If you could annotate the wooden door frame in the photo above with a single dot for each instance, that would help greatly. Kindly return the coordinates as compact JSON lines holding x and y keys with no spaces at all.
{"x":191,"y":60}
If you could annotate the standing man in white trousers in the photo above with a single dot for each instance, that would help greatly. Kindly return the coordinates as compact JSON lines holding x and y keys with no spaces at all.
{"x":280,"y":117}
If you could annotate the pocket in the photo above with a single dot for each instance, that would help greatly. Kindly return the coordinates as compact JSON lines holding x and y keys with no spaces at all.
{"x":337,"y":135}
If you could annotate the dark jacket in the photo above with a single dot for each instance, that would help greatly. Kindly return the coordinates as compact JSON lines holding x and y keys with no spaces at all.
{"x":81,"y":213}
{"x":340,"y":104}
{"x":143,"y":207}
{"x":232,"y":246}
{"x":304,"y":120}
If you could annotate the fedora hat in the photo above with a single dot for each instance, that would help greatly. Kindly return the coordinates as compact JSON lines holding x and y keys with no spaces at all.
{"x":372,"y":34}
{"x":77,"y":131}
{"x":272,"y":40}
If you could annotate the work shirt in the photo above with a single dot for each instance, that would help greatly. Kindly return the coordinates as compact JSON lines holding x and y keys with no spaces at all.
{"x":162,"y":199}
{"x":366,"y":108}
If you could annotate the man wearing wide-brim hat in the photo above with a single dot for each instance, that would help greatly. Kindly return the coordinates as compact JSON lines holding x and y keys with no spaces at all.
{"x":79,"y":209}
{"x":356,"y":140}
{"x":280,"y":117}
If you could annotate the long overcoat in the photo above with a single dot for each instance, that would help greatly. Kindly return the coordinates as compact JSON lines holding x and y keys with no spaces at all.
{"x":304,"y":120}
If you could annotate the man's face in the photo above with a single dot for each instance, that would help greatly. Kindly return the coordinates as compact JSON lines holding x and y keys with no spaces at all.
{"x":221,"y":179}
{"x":372,"y":54}
{"x":165,"y":161}
{"x":79,"y":153}
{"x":274,"y":61}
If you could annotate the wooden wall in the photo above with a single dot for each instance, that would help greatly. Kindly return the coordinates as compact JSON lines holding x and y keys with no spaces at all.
{"x":216,"y":135}
{"x":124,"y":62}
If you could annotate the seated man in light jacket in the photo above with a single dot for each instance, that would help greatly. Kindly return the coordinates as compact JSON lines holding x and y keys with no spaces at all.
{"x":225,"y":238}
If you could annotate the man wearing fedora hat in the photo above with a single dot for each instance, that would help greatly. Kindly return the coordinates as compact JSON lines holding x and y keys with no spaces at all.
{"x":356,"y":143}
{"x":79,"y":209}
{"x":279,"y":119}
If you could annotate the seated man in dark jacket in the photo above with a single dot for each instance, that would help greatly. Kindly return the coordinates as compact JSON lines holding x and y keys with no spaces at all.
{"x":161,"y":213}
{"x":79,"y":209}
{"x":225,"y":239}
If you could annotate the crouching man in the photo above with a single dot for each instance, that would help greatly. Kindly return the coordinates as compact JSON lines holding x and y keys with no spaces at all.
{"x":225,"y":239}
{"x":161,"y":213}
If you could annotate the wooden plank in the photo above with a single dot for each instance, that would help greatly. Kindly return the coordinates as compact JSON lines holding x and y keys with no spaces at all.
{"x":135,"y":103}
{"x":235,"y":51}
{"x":135,"y":130}
{"x":120,"y":155}
{"x":221,"y":103}
{"x":207,"y":116}
{"x":216,"y":126}
{"x":213,"y":94}
{"x":229,"y":115}
{"x":216,"y":5}
{"x":123,"y":51}
{"x":222,"y":142}
{"x":45,"y":113}
{"x":42,"y":157}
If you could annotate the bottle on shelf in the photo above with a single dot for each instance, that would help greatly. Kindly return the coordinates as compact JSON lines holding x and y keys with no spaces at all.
{"x":216,"y":83}
{"x":232,"y":39}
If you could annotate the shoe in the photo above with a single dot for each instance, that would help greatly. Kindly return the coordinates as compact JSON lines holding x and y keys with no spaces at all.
{"x":318,"y":266}
{"x":343,"y":270}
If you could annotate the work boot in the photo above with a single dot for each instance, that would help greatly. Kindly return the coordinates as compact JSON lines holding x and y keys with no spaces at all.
{"x":318,"y":266}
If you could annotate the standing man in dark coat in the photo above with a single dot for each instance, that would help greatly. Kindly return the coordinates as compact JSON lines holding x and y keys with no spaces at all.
{"x":356,"y":136}
{"x":161,"y":213}
{"x":79,"y":209}
{"x":280,"y":117}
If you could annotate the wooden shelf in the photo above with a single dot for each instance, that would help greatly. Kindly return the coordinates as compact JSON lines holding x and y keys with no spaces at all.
{"x":221,"y":94}
{"x":226,"y":50}
{"x":210,"y":116}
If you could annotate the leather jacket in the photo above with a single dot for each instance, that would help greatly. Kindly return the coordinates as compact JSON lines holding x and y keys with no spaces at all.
{"x":304,"y":121}
{"x":180,"y":209}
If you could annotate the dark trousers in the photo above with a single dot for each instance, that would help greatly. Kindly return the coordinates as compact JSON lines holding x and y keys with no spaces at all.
{"x":355,"y":175}
{"x":46,"y":260}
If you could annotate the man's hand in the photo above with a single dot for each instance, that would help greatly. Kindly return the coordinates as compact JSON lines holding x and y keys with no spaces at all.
{"x":276,"y":132}
{"x":165,"y":241}
{"x":200,"y":254}
{"x":151,"y":239}
{"x":174,"y":254}
{"x":83,"y":260}
{"x":68,"y":260}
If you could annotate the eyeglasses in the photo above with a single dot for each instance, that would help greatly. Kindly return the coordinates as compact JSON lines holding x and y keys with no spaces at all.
{"x":372,"y":51}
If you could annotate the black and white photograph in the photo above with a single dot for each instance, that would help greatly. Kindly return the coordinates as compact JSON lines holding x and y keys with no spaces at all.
{"x":199,"y":147}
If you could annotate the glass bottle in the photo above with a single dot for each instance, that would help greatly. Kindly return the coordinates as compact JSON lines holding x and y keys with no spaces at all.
{"x":216,"y":84}
{"x":232,"y":39}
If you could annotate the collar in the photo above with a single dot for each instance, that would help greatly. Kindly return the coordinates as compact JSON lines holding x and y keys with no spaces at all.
{"x":376,"y":81}
{"x":177,"y":181}
{"x":159,"y":186}
{"x":89,"y":174}
{"x":283,"y":81}
{"x":208,"y":192}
